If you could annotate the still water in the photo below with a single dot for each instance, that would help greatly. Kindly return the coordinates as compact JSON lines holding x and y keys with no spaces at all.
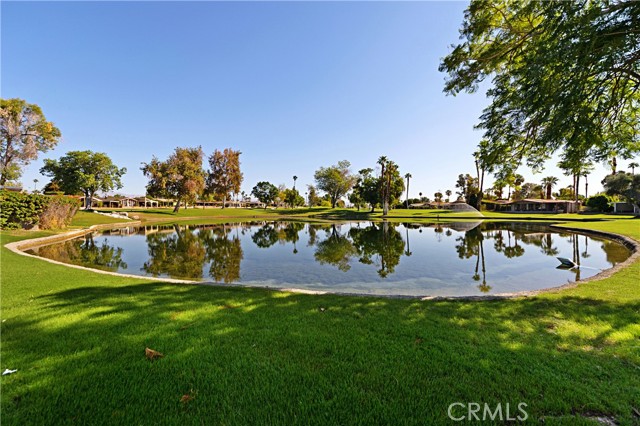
{"x":438,"y":259}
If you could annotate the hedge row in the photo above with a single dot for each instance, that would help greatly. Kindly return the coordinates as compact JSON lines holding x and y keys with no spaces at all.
{"x":18,"y":210}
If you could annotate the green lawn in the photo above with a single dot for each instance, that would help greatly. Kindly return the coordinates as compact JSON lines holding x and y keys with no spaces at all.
{"x":347,"y":214}
{"x":251,"y":356}
{"x":85,"y":219}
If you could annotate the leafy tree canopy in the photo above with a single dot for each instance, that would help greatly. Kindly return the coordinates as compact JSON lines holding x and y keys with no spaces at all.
{"x":24,"y":131}
{"x":84,"y":171}
{"x":180,"y":176}
{"x":265,"y":192}
{"x":624,"y":184}
{"x":225,"y":176}
{"x":565,"y":77}
{"x":336,"y":180}
{"x":293,"y":198}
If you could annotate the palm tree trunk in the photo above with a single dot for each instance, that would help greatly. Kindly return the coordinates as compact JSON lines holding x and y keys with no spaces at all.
{"x":586,"y":187}
{"x":407,"y":206}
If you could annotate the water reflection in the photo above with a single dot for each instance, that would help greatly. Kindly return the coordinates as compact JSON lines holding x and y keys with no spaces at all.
{"x":179,"y":254}
{"x":336,"y":249}
{"x":85,"y":252}
{"x":488,"y":257}
{"x":224,"y":251}
{"x":380,"y":245}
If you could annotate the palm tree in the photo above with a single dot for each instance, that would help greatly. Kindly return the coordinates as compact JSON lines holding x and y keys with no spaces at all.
{"x":448,"y":192}
{"x":518,"y":180}
{"x":407,"y":177}
{"x":633,"y":166}
{"x":35,"y":185}
{"x":549,"y":182}
{"x":295,"y":178}
{"x":586,"y":185}
{"x":385,"y":199}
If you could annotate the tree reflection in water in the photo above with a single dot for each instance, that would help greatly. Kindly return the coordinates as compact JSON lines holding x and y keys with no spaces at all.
{"x":266,"y":236}
{"x":379,"y":244}
{"x":193,"y":252}
{"x":184,"y":252}
{"x":278,"y":232}
{"x":336,"y":249}
{"x":224,"y":251}
{"x":84,"y":251}
{"x":180,"y":254}
{"x":472,"y":244}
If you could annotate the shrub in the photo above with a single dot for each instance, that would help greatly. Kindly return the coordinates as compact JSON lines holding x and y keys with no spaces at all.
{"x":599,"y":203}
{"x":58,"y":212}
{"x":18,"y":210}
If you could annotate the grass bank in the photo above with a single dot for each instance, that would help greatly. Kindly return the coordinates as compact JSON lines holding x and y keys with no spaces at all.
{"x":251,"y":356}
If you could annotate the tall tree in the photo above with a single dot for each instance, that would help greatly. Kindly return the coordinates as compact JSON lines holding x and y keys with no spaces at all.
{"x":180,"y":176}
{"x":293,"y":198}
{"x":468,"y":189}
{"x":407,"y":177}
{"x":313,"y":198}
{"x":367,"y":189}
{"x":633,"y":166}
{"x":485,"y":162}
{"x":225,"y":176}
{"x":624,"y":184}
{"x":84,"y":171}
{"x":548,"y":183}
{"x":335,"y":181}
{"x":575,"y":166}
{"x":24,"y":132}
{"x":384,"y":192}
{"x":265,"y":192}
{"x":565,"y":75}
{"x":391,"y":183}
{"x":295,"y":178}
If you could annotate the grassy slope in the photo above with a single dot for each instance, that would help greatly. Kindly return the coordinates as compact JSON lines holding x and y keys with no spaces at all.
{"x":85,"y":219}
{"x":250,"y":356}
{"x":364,"y":214}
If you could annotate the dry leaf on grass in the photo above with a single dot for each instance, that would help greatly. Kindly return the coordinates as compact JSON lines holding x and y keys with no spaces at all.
{"x":187,"y":397}
{"x":151,"y":354}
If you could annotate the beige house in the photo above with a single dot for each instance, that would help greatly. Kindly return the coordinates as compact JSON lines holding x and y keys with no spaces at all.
{"x":532,"y":205}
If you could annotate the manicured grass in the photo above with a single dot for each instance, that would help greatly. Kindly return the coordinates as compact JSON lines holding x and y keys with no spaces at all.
{"x":350,"y":214}
{"x":86,"y":219}
{"x":251,"y":356}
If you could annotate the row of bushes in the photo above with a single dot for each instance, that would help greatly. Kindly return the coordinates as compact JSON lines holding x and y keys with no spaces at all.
{"x":600,"y":203}
{"x":18,"y":210}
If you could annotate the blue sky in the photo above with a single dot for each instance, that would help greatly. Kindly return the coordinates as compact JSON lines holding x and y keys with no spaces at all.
{"x":293,"y":85}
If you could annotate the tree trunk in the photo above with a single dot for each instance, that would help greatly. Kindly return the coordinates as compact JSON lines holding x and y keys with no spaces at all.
{"x":224,"y":201}
{"x":88,"y":198}
{"x":614,"y":165}
{"x":586,"y":187}
{"x":176,"y":208}
{"x":407,"y":206}
{"x":575,"y":190}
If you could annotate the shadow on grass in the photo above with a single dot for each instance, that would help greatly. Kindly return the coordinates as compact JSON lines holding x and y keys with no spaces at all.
{"x":250,"y":356}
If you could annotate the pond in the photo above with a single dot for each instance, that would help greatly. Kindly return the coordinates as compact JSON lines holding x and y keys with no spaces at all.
{"x":426,"y":259}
